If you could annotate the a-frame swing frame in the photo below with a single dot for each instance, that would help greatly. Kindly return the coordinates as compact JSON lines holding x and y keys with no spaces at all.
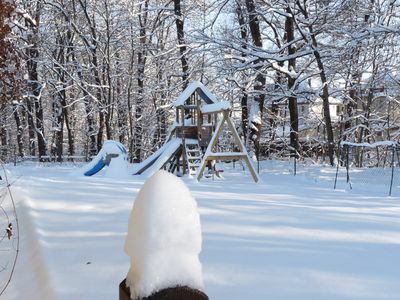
{"x":242,"y":154}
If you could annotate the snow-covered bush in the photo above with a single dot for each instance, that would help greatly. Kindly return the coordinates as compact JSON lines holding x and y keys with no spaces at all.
{"x":164,"y":237}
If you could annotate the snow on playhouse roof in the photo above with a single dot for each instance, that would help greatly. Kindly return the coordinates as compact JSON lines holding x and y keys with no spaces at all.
{"x":201,"y":89}
{"x":215,"y":107}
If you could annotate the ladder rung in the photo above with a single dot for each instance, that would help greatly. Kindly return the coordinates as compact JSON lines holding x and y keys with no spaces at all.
{"x":194,"y":157}
{"x":193,"y":150}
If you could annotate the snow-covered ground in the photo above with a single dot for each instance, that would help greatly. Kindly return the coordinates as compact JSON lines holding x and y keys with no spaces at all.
{"x":287,"y":237}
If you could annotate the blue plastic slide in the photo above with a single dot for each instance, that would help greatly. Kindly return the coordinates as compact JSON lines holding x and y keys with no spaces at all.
{"x":96,"y":168}
{"x":111,"y":150}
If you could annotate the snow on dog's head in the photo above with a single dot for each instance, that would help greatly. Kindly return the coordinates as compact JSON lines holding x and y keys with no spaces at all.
{"x":164,"y":237}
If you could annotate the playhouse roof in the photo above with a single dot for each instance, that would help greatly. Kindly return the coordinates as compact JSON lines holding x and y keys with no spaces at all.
{"x":201,"y":90}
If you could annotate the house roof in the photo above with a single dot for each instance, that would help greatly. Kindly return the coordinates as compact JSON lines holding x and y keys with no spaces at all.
{"x":332,"y":100}
{"x":201,"y":90}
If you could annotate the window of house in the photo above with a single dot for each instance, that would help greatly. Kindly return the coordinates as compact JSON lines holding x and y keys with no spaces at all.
{"x":339,"y":110}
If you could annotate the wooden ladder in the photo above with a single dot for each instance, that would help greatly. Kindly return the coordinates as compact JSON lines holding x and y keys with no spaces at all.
{"x":193,"y":156}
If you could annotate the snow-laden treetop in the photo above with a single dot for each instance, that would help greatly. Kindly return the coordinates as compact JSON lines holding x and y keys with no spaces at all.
{"x":201,"y":89}
{"x":164,"y":237}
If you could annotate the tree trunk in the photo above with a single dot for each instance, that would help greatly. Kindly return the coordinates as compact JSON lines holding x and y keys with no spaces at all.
{"x":99,"y":93}
{"x":244,"y":95}
{"x":58,"y":125}
{"x":122,"y":120}
{"x":90,"y":130}
{"x":68,"y":122}
{"x":108,"y":79}
{"x":141,"y":57}
{"x":129,"y":97}
{"x":259,"y":84}
{"x":365,"y":129}
{"x":325,"y":101}
{"x":59,"y":97}
{"x":139,"y":106}
{"x":324,"y":81}
{"x":34,"y":85}
{"x":60,"y":137}
{"x":91,"y":148}
{"x":31,"y":127}
{"x":20,"y":145}
{"x":70,"y":135}
{"x":9,"y":71}
{"x":181,"y":42}
{"x":351,"y":105}
{"x":60,"y":122}
{"x":159,"y":106}
{"x":3,"y":131}
{"x":92,"y":46}
{"x":293,"y":110}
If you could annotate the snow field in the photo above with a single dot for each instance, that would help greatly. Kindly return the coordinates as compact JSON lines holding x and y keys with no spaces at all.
{"x":284,"y":238}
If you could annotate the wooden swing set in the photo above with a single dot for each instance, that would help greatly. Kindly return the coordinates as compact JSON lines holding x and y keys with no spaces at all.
{"x":200,"y":119}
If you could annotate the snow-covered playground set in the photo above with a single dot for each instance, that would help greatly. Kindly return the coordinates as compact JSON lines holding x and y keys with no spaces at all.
{"x":192,"y":142}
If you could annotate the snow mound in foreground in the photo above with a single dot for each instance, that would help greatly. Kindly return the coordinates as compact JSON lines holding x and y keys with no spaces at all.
{"x":164,"y":237}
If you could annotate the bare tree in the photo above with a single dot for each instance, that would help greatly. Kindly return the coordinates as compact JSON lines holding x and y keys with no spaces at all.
{"x":10,"y":81}
{"x":34,"y":99}
{"x":259,"y":83}
{"x":292,"y":99}
{"x":311,"y":39}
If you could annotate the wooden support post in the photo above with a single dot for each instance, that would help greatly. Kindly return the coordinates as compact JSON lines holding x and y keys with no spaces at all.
{"x":201,"y":169}
{"x":251,"y":169}
{"x":391,"y":178}
{"x":184,"y":163}
{"x":242,"y":154}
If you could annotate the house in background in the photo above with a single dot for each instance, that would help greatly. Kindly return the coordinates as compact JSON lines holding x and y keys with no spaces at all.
{"x":311,"y":121}
{"x":381,"y":99}
{"x":310,"y":110}
{"x":376,"y":118}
